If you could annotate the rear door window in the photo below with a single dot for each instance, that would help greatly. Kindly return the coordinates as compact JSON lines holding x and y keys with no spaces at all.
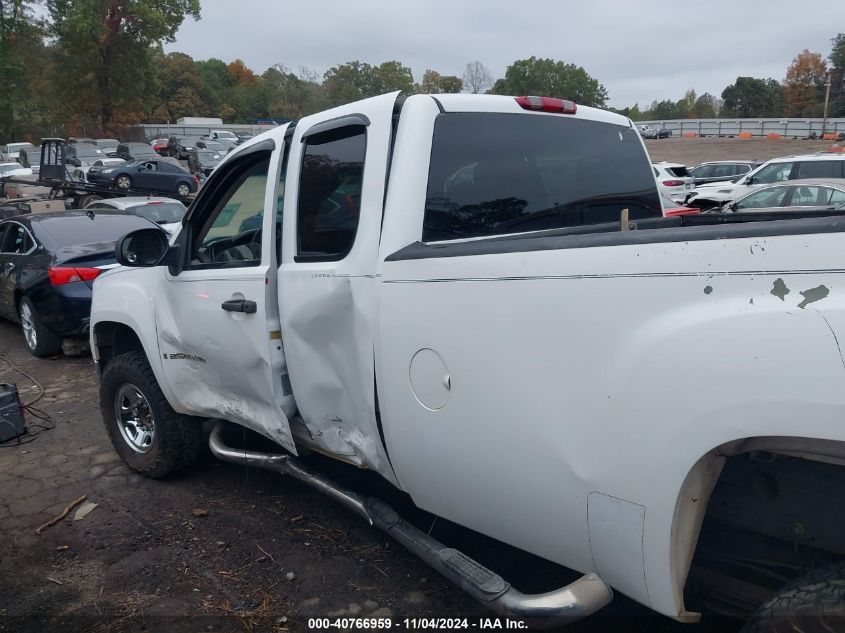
{"x":330,"y":193}
{"x":494,"y":174}
{"x":772,"y":197}
{"x":678,"y":172}
{"x":776,"y":172}
{"x":820,"y":169}
{"x":804,"y":196}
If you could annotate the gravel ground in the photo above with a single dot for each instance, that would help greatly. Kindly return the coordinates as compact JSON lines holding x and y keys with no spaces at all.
{"x":692,"y":151}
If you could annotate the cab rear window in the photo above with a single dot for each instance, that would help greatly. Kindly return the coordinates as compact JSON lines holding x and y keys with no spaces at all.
{"x":495,"y":174}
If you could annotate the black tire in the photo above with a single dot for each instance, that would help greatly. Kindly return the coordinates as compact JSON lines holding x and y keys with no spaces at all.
{"x":40,"y":341}
{"x":177,"y":439}
{"x":84,"y":201}
{"x":813,"y":603}
{"x":123,"y":182}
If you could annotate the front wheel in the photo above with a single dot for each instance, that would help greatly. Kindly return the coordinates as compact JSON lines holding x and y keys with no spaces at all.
{"x":813,"y":603}
{"x":146,"y":432}
{"x":183,"y":189}
{"x":123,"y":182}
{"x":40,"y":341}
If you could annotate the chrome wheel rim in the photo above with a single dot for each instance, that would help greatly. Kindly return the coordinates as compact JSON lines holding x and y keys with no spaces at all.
{"x":28,"y":326}
{"x":135,"y":418}
{"x":183,"y":191}
{"x":123,"y":182}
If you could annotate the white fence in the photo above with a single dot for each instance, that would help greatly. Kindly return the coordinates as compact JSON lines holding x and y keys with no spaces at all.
{"x":788,"y":128}
{"x":148,"y":131}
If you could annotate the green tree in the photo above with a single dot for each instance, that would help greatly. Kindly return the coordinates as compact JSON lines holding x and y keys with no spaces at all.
{"x":551,"y":78}
{"x":107,"y":46}
{"x":751,"y":97}
{"x":351,"y":81}
{"x":24,"y":64}
{"x":706,"y":107}
{"x":181,"y":91}
{"x":392,"y":76}
{"x":837,"y":76}
{"x":665,"y":109}
{"x":292,"y":96}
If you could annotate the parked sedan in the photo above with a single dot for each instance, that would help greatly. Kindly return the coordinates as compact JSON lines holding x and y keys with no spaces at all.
{"x":148,"y":175}
{"x":166,"y":212}
{"x":809,"y":194}
{"x":722,"y":170}
{"x":135,"y":151}
{"x":203,"y":161}
{"x":673,"y":180}
{"x":48,"y":262}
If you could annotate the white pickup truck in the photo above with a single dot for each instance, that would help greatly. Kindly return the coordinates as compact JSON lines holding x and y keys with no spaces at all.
{"x":477,"y":297}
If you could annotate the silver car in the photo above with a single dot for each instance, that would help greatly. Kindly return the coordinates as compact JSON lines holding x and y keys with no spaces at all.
{"x":807,"y":194}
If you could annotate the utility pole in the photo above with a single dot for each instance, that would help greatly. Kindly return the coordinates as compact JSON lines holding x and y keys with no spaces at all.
{"x":826,"y":101}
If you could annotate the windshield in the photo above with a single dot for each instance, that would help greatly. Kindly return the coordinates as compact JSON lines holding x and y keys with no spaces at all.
{"x":106,"y":142}
{"x":228,"y":135}
{"x":141,"y":150}
{"x":160,"y":212}
{"x":502,"y":173}
{"x":209,"y":155}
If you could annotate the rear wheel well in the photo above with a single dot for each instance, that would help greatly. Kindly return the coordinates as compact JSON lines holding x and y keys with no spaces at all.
{"x":772,"y":516}
{"x":113,"y":339}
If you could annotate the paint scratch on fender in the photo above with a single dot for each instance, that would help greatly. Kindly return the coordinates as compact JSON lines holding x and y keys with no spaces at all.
{"x":779,"y":289}
{"x":835,"y":338}
{"x":812,"y":295}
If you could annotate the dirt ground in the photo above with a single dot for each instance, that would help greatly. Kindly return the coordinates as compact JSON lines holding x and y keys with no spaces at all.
{"x":142,"y":560}
{"x":692,"y":151}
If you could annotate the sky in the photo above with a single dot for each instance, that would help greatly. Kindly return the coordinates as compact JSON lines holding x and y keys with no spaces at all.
{"x":640,"y":50}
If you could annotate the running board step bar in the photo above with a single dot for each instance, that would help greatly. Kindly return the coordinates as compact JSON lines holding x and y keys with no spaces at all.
{"x":567,"y":604}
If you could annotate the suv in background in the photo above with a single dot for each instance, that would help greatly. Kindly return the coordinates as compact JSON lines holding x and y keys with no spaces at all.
{"x":717,"y":194}
{"x":722,"y":170}
{"x":673,"y":180}
{"x":180,"y":146}
{"x":135,"y":151}
{"x":83,"y":154}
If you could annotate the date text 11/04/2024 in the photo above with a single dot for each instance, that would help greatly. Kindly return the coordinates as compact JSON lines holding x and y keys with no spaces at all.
{"x":347,"y":624}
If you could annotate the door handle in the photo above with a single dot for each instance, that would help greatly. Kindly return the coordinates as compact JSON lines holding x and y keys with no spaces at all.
{"x":240,"y":305}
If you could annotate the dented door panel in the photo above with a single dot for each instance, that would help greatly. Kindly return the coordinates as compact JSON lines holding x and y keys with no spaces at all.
{"x":328,"y":308}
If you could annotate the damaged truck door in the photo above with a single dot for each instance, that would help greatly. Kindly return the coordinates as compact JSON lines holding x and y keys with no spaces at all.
{"x":217,"y":319}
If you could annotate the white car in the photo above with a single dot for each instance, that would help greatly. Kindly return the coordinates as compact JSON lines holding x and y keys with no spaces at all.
{"x":166,"y":212}
{"x":80,"y":174}
{"x":717,"y":194}
{"x":673,"y":180}
{"x":14,"y":169}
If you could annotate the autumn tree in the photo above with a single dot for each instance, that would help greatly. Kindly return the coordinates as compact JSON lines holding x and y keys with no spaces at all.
{"x":477,"y":78}
{"x":803,"y":88}
{"x":434,"y":82}
{"x":551,"y":78}
{"x":292,"y":95}
{"x":106,"y":49}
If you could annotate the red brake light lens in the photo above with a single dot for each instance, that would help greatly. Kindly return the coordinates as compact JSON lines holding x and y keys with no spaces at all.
{"x":681,"y":211}
{"x":61,"y":275}
{"x":673,"y":183}
{"x":547,"y":104}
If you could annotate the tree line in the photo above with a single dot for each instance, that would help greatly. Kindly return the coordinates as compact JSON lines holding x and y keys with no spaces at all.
{"x":91,"y":67}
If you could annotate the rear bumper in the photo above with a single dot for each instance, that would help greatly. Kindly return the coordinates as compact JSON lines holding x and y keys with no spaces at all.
{"x":65,"y":310}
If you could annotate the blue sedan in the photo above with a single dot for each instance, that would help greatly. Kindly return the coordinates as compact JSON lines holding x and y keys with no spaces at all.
{"x":158,"y":176}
